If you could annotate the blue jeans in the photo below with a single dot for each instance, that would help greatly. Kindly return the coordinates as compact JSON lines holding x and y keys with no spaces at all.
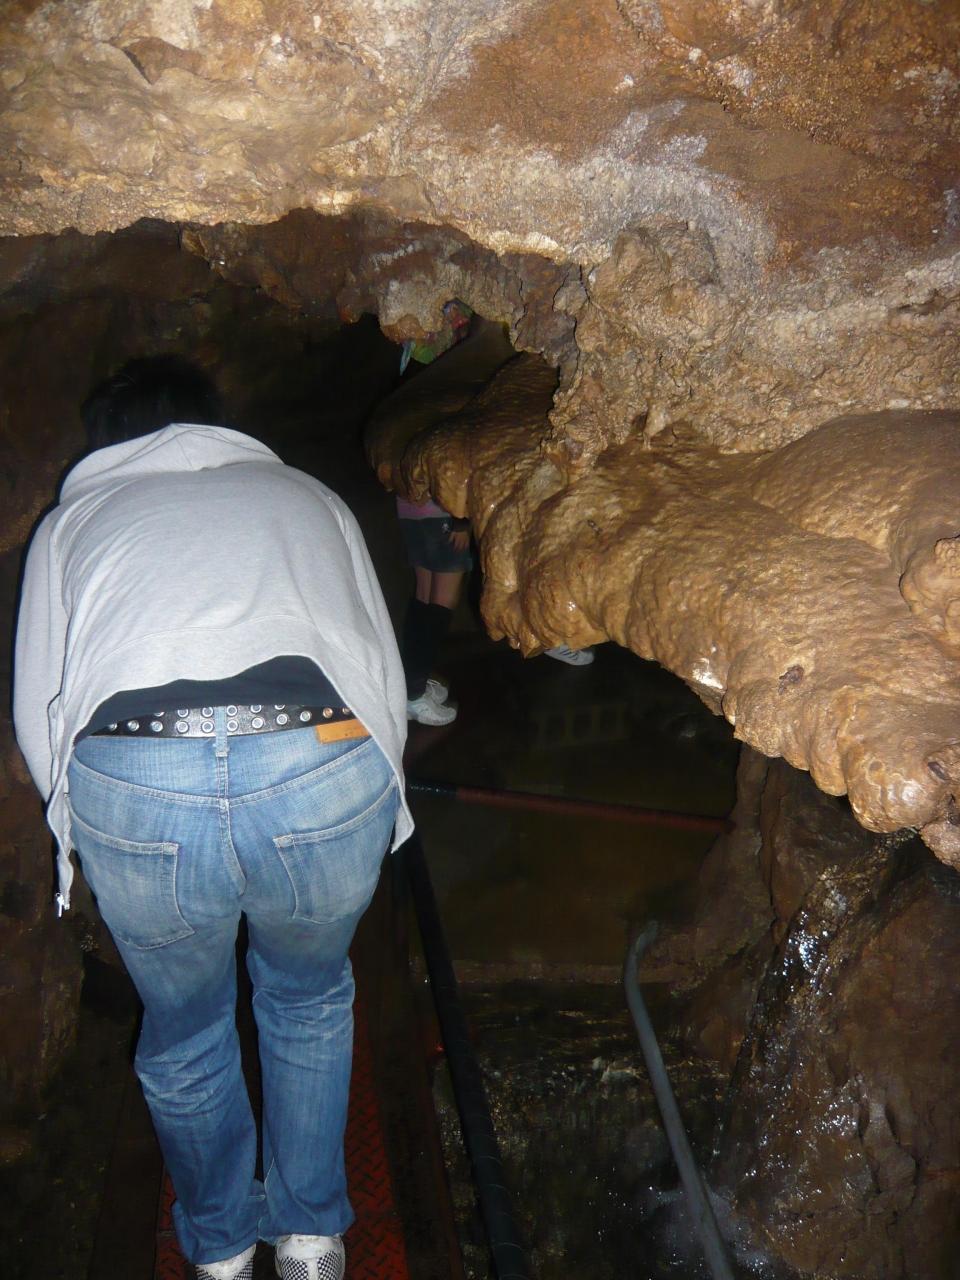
{"x":176,"y":839}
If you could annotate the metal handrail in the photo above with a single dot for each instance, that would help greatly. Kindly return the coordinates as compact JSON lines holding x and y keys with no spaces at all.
{"x":498,"y":797}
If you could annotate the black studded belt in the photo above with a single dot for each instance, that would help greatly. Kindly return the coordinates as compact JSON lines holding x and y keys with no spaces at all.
{"x":198,"y":722}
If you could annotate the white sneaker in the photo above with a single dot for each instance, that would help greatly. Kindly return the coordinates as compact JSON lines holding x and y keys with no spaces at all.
{"x":437,"y":692}
{"x":239,"y":1267}
{"x":311,"y":1258}
{"x":573,"y":657}
{"x":425,"y":711}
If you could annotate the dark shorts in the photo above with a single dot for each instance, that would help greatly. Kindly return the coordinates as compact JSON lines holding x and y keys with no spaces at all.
{"x":429,"y":547}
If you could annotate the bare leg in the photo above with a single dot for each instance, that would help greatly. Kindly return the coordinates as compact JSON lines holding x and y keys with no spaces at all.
{"x":444,"y":589}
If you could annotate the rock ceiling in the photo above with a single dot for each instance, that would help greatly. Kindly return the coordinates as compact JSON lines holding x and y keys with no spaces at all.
{"x":732,"y":227}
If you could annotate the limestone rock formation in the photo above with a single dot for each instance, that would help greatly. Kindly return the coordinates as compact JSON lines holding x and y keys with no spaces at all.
{"x":752,"y":210}
{"x":819,"y":962}
{"x":805,"y":593}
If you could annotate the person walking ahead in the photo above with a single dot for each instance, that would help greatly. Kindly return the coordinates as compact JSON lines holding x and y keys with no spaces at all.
{"x":209,"y":696}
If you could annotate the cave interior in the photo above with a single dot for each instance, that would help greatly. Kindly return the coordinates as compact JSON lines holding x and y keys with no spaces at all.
{"x":706,"y":421}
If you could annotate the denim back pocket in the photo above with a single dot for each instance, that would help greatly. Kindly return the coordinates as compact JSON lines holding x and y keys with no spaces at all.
{"x":334,"y":872}
{"x":135,"y":884}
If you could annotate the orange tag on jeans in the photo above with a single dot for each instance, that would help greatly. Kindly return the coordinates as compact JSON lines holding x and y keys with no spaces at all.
{"x":340,"y":730}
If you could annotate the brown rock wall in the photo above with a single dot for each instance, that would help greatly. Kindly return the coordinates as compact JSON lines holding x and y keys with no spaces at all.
{"x":841,"y":1134}
{"x":769,"y":582}
{"x":752,"y":210}
{"x":39,"y":957}
{"x":818,"y":961}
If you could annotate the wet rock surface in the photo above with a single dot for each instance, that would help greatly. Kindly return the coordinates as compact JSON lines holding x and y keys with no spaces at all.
{"x":843,"y":1128}
{"x":586,"y":1160}
{"x":836,"y":1015}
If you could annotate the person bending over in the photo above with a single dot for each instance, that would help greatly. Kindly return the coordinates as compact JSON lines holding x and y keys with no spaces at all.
{"x":209,"y":696}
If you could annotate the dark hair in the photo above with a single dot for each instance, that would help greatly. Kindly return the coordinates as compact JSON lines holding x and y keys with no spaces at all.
{"x":147,"y":394}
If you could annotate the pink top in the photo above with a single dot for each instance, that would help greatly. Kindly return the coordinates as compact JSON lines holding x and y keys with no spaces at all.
{"x":428,"y":510}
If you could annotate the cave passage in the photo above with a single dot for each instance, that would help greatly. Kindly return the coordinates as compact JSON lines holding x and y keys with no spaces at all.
{"x":713,"y":251}
{"x":537,"y":905}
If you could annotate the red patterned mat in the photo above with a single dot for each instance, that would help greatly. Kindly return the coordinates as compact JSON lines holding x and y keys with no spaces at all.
{"x":375,"y":1248}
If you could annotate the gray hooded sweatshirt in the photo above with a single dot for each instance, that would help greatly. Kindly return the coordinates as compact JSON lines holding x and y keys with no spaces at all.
{"x":192,"y":553}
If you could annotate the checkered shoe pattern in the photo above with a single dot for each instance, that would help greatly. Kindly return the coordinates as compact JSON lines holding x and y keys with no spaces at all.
{"x":300,"y":1258}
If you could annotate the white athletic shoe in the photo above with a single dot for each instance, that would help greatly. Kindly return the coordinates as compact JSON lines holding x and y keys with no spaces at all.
{"x":311,"y":1258}
{"x":425,"y":711}
{"x":239,"y":1267}
{"x":573,"y":657}
{"x":437,"y":692}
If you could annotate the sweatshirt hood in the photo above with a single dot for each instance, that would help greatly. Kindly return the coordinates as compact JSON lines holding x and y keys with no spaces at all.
{"x":182,"y":446}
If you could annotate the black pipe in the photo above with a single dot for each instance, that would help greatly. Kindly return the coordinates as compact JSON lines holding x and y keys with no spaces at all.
{"x":704,"y":1221}
{"x":496,"y":1208}
{"x":497,"y":797}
